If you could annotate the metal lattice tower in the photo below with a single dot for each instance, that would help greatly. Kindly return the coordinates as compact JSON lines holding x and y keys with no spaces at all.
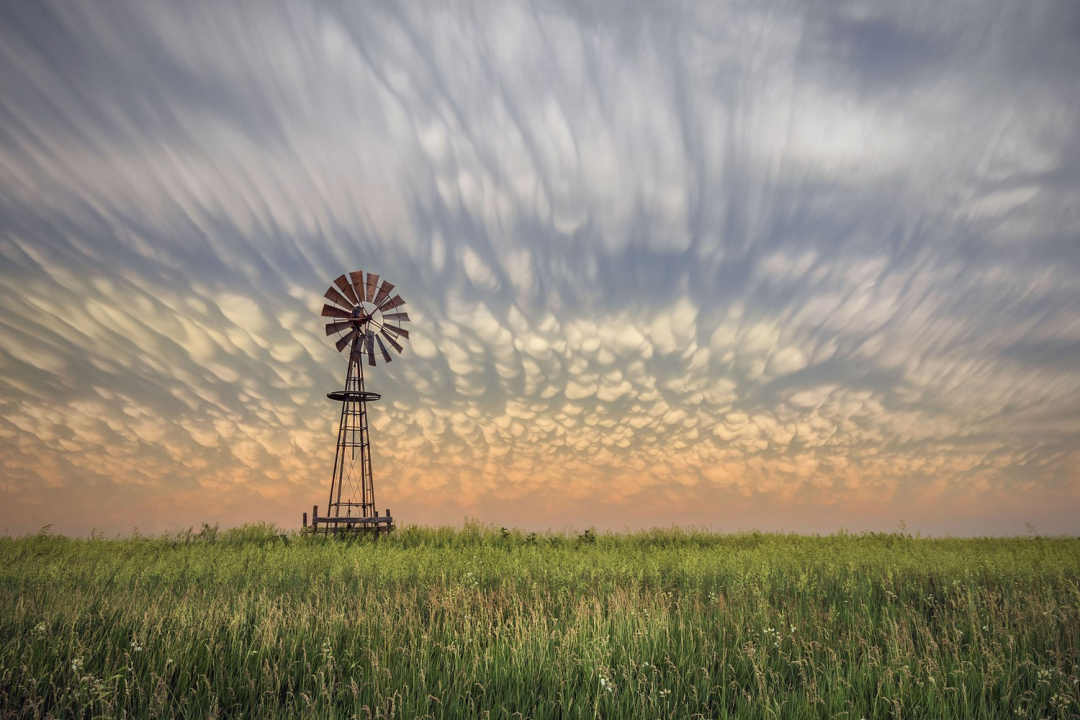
{"x":364,"y":315}
{"x":352,"y":492}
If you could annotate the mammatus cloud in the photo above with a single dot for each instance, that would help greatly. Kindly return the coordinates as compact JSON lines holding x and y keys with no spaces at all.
{"x":777,"y":266}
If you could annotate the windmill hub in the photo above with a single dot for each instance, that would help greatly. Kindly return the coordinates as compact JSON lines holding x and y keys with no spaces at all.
{"x":366,"y":320}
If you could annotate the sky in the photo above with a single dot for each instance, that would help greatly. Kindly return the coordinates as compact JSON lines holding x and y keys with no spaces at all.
{"x":799,"y":266}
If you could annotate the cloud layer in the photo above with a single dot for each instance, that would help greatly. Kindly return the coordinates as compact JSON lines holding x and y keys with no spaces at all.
{"x":783,"y":265}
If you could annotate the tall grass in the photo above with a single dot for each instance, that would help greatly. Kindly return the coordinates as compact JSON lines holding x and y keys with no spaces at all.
{"x":474,"y":622}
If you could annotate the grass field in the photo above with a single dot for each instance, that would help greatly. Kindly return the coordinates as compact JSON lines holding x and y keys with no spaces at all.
{"x":464,"y":623}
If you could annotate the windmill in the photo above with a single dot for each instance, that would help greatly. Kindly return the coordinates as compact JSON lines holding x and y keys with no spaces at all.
{"x":364,"y":315}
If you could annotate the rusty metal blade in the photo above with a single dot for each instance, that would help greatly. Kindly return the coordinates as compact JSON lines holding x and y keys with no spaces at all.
{"x":331,"y":311}
{"x":357,"y":280}
{"x":396,"y":330}
{"x":343,"y":283}
{"x":384,"y":290}
{"x":371,"y":348}
{"x":383,"y":350}
{"x":403,"y":317}
{"x":335,"y":297}
{"x":393,"y":343}
{"x":336,"y":327}
{"x":346,"y":339}
{"x":355,"y":354}
{"x":392,"y":303}
{"x":372,"y":281}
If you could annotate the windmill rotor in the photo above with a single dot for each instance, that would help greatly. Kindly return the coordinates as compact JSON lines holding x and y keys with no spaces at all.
{"x":359,"y":310}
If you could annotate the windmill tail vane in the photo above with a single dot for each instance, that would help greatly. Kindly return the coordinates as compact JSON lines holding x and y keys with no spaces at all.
{"x":366,"y":317}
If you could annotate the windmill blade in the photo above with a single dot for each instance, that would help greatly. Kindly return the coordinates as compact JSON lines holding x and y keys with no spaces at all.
{"x":393,"y":343}
{"x":384,"y":290}
{"x":392,"y":303}
{"x":396,"y":330}
{"x":336,"y":327}
{"x":357,"y":279}
{"x":346,"y":339}
{"x":371,"y":348}
{"x":331,"y":311}
{"x":372,"y":281}
{"x":335,"y":297}
{"x":343,"y":283}
{"x":383,"y":350}
{"x":403,"y":317}
{"x":355,"y":354}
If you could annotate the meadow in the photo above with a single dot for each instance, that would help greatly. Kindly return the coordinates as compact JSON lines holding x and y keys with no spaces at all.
{"x":485,"y":622}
